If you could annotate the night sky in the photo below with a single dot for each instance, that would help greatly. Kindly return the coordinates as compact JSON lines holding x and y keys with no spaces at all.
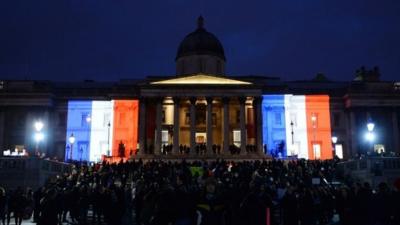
{"x":127,"y":39}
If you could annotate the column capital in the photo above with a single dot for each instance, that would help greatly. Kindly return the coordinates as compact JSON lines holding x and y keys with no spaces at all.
{"x":192,"y":100}
{"x":242,"y":99}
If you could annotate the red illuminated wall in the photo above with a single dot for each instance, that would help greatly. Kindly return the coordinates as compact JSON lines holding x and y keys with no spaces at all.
{"x":125,"y":127}
{"x":319,"y":105}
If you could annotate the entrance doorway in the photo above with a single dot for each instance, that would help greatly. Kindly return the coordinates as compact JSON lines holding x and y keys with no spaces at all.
{"x":317,"y":151}
{"x":236,"y":138}
{"x":201,"y":137}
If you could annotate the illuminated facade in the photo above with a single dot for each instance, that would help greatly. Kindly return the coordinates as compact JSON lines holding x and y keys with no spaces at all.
{"x":170,"y":116}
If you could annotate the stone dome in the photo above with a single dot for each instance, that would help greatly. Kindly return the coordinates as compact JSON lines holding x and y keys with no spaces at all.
{"x":200,"y":42}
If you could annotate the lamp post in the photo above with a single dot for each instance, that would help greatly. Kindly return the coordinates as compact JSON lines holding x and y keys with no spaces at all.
{"x":370,"y":136}
{"x":38,"y":134}
{"x":334,"y":141}
{"x":108,"y":138}
{"x":314,"y":125}
{"x":71,"y":140}
{"x":292,"y":132}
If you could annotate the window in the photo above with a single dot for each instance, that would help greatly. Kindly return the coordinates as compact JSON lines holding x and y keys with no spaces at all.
{"x":278,"y":119}
{"x":122,"y":119}
{"x":314,"y":120}
{"x":339,"y":150}
{"x":84,"y":122}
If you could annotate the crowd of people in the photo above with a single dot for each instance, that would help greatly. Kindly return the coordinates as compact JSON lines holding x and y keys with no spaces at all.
{"x":205,"y":193}
{"x":201,"y":149}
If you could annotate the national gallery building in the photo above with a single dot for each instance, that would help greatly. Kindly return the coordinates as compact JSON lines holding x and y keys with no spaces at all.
{"x":201,"y":112}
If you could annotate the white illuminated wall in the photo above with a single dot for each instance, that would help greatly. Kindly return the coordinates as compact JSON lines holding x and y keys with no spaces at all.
{"x":101,"y":133}
{"x":295,"y":110}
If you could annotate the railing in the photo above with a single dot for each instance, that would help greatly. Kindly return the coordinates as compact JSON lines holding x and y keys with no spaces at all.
{"x":29,"y":171}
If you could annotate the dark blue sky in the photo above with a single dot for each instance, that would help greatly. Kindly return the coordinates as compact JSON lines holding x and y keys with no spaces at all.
{"x":114,"y":39}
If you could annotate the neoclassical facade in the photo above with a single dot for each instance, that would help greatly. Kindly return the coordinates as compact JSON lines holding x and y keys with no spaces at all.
{"x":201,"y":112}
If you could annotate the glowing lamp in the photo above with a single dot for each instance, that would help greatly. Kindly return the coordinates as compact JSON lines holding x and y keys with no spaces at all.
{"x":334,"y":139}
{"x":313,"y":118}
{"x":370,"y":126}
{"x":38,"y":126}
{"x":71,"y":139}
{"x":88,"y":118}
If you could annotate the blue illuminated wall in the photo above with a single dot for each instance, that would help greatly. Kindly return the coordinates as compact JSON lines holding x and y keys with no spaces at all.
{"x":78,"y":111}
{"x":274,"y":126}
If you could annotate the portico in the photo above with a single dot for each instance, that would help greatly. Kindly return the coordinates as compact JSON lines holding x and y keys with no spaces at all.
{"x":202,"y":114}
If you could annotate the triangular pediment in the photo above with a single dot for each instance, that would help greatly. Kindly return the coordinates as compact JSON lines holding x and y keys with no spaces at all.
{"x":202,"y":79}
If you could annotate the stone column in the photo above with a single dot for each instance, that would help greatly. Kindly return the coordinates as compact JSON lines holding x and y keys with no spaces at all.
{"x":176,"y":126}
{"x":395,"y":122}
{"x":259,"y":121}
{"x":209,"y":126}
{"x":192,"y":125}
{"x":243,"y":133}
{"x":142,"y":126}
{"x":226,"y":125}
{"x":157,"y":145}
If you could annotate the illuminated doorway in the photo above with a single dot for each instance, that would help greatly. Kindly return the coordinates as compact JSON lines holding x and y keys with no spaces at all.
{"x":339,"y":150}
{"x":317,"y":151}
{"x":236,"y":138}
{"x":201,"y":137}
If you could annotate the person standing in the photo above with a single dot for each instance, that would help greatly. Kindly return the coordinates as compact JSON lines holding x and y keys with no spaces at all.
{"x":210,"y":208}
{"x":3,"y":206}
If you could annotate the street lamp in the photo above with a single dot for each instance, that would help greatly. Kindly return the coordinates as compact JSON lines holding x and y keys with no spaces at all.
{"x":314,"y":125}
{"x":292,"y":132}
{"x":38,"y":126}
{"x":370,"y":136}
{"x":370,"y":126}
{"x":71,"y":140}
{"x":108,"y":140}
{"x":39,"y":136}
